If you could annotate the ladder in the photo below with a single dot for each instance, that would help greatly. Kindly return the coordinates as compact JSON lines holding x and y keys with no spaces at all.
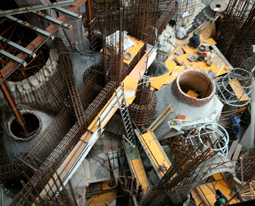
{"x":126,"y":117}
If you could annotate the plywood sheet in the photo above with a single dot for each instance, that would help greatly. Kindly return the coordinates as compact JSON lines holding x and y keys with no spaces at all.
{"x":238,"y":90}
{"x":157,"y":82}
{"x":189,"y":50}
{"x":140,"y":173}
{"x":179,"y":68}
{"x":171,"y":57}
{"x":99,"y":200}
{"x":170,"y":65}
{"x":170,"y":79}
{"x":192,"y":94}
{"x":209,"y":41}
{"x":157,"y":153}
{"x":207,"y":189}
{"x":134,"y":50}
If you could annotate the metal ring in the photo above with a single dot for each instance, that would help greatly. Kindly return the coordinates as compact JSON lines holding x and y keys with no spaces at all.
{"x":129,"y":56}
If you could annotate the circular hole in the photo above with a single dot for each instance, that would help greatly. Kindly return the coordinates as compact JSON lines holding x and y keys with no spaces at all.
{"x":32,"y":122}
{"x":197,"y":82}
{"x":218,"y":5}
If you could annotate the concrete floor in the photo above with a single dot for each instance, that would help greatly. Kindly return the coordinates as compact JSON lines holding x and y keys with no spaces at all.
{"x":6,"y":200}
{"x":81,"y":63}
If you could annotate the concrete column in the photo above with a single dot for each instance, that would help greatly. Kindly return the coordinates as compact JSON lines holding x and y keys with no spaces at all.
{"x":248,"y":138}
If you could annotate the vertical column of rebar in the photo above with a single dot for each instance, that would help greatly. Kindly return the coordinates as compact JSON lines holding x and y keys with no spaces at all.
{"x":112,"y":24}
{"x":240,"y":49}
{"x":143,"y":94}
{"x":232,"y":24}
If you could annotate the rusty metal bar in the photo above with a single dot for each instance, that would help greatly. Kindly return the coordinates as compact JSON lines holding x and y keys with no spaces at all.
{"x":72,"y":192}
{"x":66,"y":64}
{"x":8,"y":95}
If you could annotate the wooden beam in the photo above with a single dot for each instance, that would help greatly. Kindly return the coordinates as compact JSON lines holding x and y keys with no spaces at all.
{"x":161,"y":118}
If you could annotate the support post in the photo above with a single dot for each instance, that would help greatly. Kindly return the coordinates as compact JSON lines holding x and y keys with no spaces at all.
{"x":8,"y":95}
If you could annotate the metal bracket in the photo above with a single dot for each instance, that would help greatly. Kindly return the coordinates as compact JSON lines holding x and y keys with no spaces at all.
{"x":18,"y":47}
{"x":51,"y":19}
{"x":68,"y":13}
{"x":27,"y":25}
{"x":13,"y":58}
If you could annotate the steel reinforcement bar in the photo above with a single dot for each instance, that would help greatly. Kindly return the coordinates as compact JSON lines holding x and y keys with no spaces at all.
{"x":66,"y":65}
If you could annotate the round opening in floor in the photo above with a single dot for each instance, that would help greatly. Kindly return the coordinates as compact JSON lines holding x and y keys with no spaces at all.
{"x":33,"y":123}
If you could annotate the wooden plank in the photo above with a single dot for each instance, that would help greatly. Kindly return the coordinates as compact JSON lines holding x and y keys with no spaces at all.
{"x":196,"y":197}
{"x":238,"y":90}
{"x":192,"y":94}
{"x":202,"y":196}
{"x":157,"y":82}
{"x":209,"y":41}
{"x":154,"y":151}
{"x":237,"y":152}
{"x":232,"y":149}
{"x":134,"y":50}
{"x":170,"y":65}
{"x":222,"y":56}
{"x":170,"y":79}
{"x":161,"y":117}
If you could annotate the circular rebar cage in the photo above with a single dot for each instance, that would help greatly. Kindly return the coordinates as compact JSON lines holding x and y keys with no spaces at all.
{"x":211,"y":135}
{"x":235,"y":88}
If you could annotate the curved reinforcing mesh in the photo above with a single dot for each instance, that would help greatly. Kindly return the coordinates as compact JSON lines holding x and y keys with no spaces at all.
{"x":142,"y":110}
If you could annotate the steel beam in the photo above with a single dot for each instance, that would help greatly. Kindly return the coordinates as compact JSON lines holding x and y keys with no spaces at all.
{"x":35,"y":8}
{"x":8,"y":95}
{"x":51,"y":19}
{"x":13,"y":58}
{"x":16,"y":46}
{"x":68,"y":13}
{"x":27,"y":25}
{"x":12,"y":66}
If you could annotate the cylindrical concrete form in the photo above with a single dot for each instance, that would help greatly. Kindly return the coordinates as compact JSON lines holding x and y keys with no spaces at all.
{"x":14,"y":140}
{"x":194,"y":80}
{"x":45,"y":90}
